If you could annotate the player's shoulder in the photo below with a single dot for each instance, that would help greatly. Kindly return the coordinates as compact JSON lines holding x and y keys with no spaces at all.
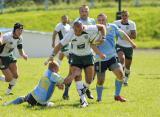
{"x":113,"y":25}
{"x":8,"y":35}
{"x":117,"y":22}
{"x":131,"y":21}
{"x":59,"y":24}
{"x":77,"y":19}
{"x":92,"y":19}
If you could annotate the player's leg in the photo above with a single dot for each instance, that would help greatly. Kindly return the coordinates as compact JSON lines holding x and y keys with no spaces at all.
{"x":89,"y":75}
{"x":67,"y":86}
{"x":18,"y":100}
{"x":4,"y":66}
{"x":60,"y":57}
{"x":128,"y":62}
{"x":100,"y":68}
{"x":81,"y":89}
{"x":88,"y":65}
{"x":121,"y":55}
{"x":7,"y":75}
{"x":118,"y":71}
{"x":99,"y":86}
{"x":14,"y":70}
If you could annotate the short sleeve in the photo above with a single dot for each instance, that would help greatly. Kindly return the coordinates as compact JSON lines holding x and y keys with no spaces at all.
{"x":67,"y":38}
{"x":5,"y":38}
{"x":91,"y":28}
{"x":20,"y":41}
{"x":133,"y":26}
{"x":58,"y":28}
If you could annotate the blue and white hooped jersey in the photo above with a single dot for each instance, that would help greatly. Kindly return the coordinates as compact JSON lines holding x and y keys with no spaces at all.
{"x":44,"y":90}
{"x":108,"y":47}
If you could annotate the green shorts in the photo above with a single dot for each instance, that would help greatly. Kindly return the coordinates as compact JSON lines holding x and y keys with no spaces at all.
{"x":5,"y":61}
{"x":128,"y":51}
{"x":81,"y":61}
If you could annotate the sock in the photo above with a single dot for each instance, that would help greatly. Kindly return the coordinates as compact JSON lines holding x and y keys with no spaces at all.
{"x":118,"y":86}
{"x":99,"y":89}
{"x":2,"y":78}
{"x":12,"y":83}
{"x":127,"y":73}
{"x":87,"y":85}
{"x":19,"y":100}
{"x":66,"y":90}
{"x":81,"y":90}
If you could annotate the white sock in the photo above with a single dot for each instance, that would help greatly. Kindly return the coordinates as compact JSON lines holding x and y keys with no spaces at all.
{"x":81,"y":90}
{"x":127,"y":72}
{"x":13,"y":82}
{"x":87,"y":85}
{"x":2,"y":78}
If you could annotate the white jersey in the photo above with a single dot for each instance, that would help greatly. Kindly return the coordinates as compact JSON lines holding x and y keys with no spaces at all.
{"x":127,"y":28}
{"x":62,"y":29}
{"x":80,"y":45}
{"x":9,"y":44}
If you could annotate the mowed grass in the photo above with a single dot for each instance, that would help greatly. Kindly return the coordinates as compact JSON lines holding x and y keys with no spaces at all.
{"x":142,"y":93}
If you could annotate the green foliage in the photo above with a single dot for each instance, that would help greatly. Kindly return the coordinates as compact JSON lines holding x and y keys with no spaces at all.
{"x":146,"y":18}
{"x":142,"y":92}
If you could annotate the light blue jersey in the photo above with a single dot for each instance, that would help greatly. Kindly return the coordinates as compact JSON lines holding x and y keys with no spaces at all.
{"x":88,"y":21}
{"x":108,"y":47}
{"x":45,"y":88}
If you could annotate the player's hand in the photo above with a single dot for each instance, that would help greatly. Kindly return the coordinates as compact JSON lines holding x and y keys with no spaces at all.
{"x":50,"y":59}
{"x":25,"y":56}
{"x":134,"y":45}
{"x":102,"y":56}
{"x":60,"y":86}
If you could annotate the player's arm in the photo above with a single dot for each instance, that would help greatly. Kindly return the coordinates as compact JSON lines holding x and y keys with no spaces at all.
{"x":1,"y":39}
{"x":133,"y":34}
{"x":97,"y":51}
{"x":21,"y":52}
{"x":58,"y":47}
{"x":126,"y":37}
{"x":76,"y":72}
{"x":54,"y":38}
{"x":102,"y":29}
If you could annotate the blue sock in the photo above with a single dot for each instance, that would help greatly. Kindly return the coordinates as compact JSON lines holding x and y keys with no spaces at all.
{"x":118,"y":85}
{"x":19,"y":100}
{"x":99,"y":89}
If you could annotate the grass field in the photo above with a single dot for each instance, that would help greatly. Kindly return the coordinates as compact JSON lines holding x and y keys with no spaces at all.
{"x":142,"y":93}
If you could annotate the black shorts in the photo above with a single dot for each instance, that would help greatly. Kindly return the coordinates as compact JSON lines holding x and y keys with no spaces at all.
{"x":110,"y":64}
{"x":81,"y":61}
{"x":128,"y":51}
{"x":30,"y":99}
{"x":5,"y":61}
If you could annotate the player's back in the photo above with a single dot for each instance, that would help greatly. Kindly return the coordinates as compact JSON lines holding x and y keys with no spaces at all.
{"x":44,"y":90}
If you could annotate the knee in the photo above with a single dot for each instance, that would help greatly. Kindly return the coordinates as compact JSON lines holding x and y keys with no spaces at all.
{"x":8,"y":79}
{"x":15,"y":76}
{"x":120,"y":76}
{"x":121,"y":55}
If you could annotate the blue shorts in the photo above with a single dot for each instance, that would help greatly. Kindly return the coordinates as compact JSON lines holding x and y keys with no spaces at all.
{"x":110,"y":64}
